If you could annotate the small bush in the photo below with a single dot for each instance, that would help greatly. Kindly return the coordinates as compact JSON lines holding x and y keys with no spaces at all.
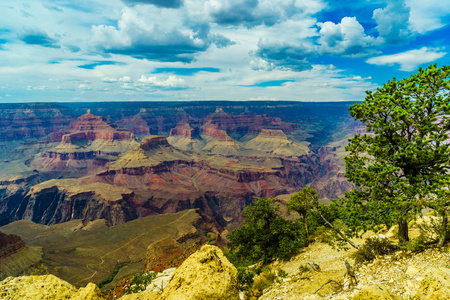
{"x":303,"y":269}
{"x":373,"y":247}
{"x":282,"y":273}
{"x":418,"y":244}
{"x":265,"y":279}
{"x":245,"y":278}
{"x":140,"y":282}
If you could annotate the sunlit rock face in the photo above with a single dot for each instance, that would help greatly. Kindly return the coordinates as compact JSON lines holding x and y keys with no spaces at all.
{"x":92,"y":141}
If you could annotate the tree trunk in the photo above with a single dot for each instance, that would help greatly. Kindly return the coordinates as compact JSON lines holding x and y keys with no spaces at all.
{"x":443,"y":231}
{"x":305,"y":216}
{"x":341,"y":234}
{"x":403,"y":236}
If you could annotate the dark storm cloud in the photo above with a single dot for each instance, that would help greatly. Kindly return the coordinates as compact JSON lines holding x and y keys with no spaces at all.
{"x":251,"y":13}
{"x":284,"y":56}
{"x":154,"y":41}
{"x":160,"y":3}
{"x":167,"y":53}
{"x":38,"y":37}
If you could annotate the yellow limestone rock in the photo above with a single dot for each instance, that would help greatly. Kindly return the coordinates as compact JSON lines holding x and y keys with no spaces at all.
{"x":205,"y":275}
{"x":435,"y":285}
{"x":45,"y":287}
{"x":375,"y":292}
{"x":142,"y":296}
{"x":90,"y":292}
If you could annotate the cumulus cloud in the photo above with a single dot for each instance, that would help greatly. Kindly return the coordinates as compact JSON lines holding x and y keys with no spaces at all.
{"x":393,"y":23}
{"x":427,"y":15}
{"x":125,"y":79}
{"x":109,"y":79}
{"x":281,"y":55}
{"x":409,"y":60}
{"x":171,"y":82}
{"x":346,"y":38}
{"x":160,"y":3}
{"x":251,"y":13}
{"x":33,"y":36}
{"x":163,"y":39}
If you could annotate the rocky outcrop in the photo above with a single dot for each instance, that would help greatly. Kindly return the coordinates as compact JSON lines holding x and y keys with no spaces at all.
{"x":185,"y":137}
{"x":205,"y":275}
{"x":275,"y":141}
{"x":57,"y":201}
{"x":92,"y":141}
{"x":45,"y":287}
{"x":212,"y":131}
{"x":10,"y":244}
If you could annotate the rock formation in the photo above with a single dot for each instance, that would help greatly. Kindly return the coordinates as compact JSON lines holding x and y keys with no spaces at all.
{"x":184,"y":137}
{"x":30,"y":121}
{"x":275,"y":141}
{"x":135,"y":124}
{"x":92,"y":141}
{"x":10,"y":244}
{"x":205,"y":275}
{"x":45,"y":287}
{"x":56,"y":201}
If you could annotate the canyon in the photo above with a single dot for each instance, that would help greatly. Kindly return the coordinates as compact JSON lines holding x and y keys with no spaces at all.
{"x":216,"y":156}
{"x":104,"y":165}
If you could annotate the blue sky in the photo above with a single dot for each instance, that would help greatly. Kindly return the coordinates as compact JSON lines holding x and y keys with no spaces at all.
{"x":305,"y":50}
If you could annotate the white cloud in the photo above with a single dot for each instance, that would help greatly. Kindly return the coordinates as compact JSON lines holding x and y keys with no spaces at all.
{"x":170,"y":82}
{"x":125,"y":79}
{"x":109,"y":80}
{"x":427,"y":15}
{"x":393,"y":23}
{"x":346,"y":38}
{"x":409,"y":60}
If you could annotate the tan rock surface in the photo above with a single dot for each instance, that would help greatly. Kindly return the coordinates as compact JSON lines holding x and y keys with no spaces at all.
{"x":142,"y":296}
{"x":375,"y":292}
{"x":45,"y":287}
{"x":435,"y":285}
{"x":206,"y":274}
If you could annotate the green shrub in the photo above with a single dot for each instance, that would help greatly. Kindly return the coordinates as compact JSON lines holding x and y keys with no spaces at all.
{"x":139,"y":282}
{"x":373,"y":247}
{"x":265,"y":235}
{"x":303,"y":269}
{"x":282,"y":273}
{"x":265,"y":279}
{"x":245,"y":278}
{"x":417,"y":244}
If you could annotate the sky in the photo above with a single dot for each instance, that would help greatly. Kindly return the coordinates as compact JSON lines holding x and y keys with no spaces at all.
{"x":184,"y":50}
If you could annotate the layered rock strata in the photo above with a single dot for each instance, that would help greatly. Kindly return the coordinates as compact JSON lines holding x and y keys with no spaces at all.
{"x":57,"y":201}
{"x":92,"y":141}
{"x":10,"y":244}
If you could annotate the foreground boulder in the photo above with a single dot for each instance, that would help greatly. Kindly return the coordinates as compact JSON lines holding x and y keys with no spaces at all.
{"x":45,"y":287}
{"x":206,"y":274}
